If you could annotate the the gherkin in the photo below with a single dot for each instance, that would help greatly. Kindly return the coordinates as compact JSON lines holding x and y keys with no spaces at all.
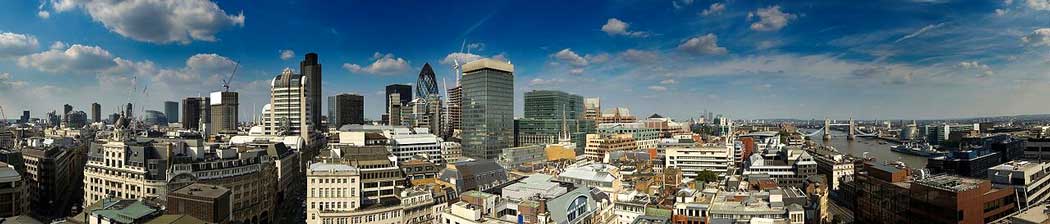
{"x":426,"y":85}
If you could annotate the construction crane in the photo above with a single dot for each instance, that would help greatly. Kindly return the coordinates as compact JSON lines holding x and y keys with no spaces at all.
{"x":226,"y":81}
{"x":3,"y":115}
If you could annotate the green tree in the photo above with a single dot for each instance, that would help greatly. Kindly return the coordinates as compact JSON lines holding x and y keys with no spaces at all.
{"x":706,"y":176}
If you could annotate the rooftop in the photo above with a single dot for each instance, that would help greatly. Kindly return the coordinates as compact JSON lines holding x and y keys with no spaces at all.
{"x":331,"y":167}
{"x":950,"y":183}
{"x":203,"y":190}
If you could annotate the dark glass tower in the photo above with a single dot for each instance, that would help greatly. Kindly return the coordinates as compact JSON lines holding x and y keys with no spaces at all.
{"x":311,"y":69}
{"x":488,"y":108}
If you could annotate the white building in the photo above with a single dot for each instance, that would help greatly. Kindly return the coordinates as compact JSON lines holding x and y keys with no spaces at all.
{"x":332,"y":192}
{"x":1028,"y":178}
{"x":408,"y":142}
{"x":692,"y":158}
{"x":288,"y":110}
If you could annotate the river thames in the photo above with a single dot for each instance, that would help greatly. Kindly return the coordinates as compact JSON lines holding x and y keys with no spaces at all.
{"x":875,"y":148}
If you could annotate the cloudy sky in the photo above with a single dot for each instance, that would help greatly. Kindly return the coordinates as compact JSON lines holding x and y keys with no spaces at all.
{"x":749,"y":59}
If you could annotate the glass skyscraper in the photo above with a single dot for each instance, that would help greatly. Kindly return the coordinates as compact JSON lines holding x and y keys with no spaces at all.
{"x":544,"y":111}
{"x":488,"y":108}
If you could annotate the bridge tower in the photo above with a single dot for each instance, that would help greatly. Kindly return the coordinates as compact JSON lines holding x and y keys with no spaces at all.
{"x":852,"y":129}
{"x":827,"y":129}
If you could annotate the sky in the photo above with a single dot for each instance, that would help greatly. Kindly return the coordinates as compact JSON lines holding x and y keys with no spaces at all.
{"x":919,"y":59}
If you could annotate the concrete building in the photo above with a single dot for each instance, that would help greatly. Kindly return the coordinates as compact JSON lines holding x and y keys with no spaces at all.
{"x":311,"y":70}
{"x":406,"y":143}
{"x":604,"y":177}
{"x":836,"y":167}
{"x":455,"y":112}
{"x":346,"y":109}
{"x":645,"y":137}
{"x":755,"y":207}
{"x":224,"y":108}
{"x":592,"y":108}
{"x":394,"y":110}
{"x":512,"y":158}
{"x":964,"y":200}
{"x":451,"y":152}
{"x":128,"y":211}
{"x":404,"y":95}
{"x":333,"y":189}
{"x":14,"y":197}
{"x":171,"y":111}
{"x":691,"y":158}
{"x":1030,"y":181}
{"x":53,"y":176}
{"x":288,"y":112}
{"x":75,"y":120}
{"x":976,"y":155}
{"x":789,"y":167}
{"x":467,"y":175}
{"x":380,"y":175}
{"x":96,"y":113}
{"x":195,"y":112}
{"x":599,"y":146}
{"x":476,"y":207}
{"x":488,"y":112}
{"x":209,"y":203}
{"x":154,"y":118}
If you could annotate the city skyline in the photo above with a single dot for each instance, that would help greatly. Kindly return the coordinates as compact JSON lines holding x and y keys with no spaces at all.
{"x":872,"y":60}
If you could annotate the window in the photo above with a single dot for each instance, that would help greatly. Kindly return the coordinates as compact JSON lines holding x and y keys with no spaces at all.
{"x":577,"y":207}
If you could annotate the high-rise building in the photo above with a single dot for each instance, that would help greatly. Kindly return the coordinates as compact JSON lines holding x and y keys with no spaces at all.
{"x":66,"y":109}
{"x":152,"y":117}
{"x":393,"y":109}
{"x":426,"y":84}
{"x":288,"y":111}
{"x":488,"y":112}
{"x":191,"y":112}
{"x":129,"y":112}
{"x":171,"y":111}
{"x":346,"y":109}
{"x":96,"y":112}
{"x":53,"y":175}
{"x":547,"y":113}
{"x":455,"y":111}
{"x":25,"y":117}
{"x":75,"y":119}
{"x":404,"y":91}
{"x":13,"y":190}
{"x":311,"y":69}
{"x":592,"y":108}
{"x":223,"y":112}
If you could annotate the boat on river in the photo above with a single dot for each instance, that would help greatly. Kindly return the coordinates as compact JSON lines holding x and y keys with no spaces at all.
{"x":916,"y":148}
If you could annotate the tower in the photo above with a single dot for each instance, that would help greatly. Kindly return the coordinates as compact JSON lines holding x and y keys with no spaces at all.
{"x":852,"y":129}
{"x":488,"y":108}
{"x":827,"y":129}
{"x":223,"y":112}
{"x":311,"y":69}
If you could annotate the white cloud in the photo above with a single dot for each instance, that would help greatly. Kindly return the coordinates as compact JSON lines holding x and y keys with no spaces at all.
{"x":157,"y":21}
{"x":287,"y":54}
{"x":476,"y":47}
{"x":75,"y":59}
{"x":501,"y":57}
{"x":921,"y":31}
{"x":58,"y":45}
{"x":615,"y":27}
{"x":767,"y":44}
{"x":706,"y":44}
{"x":7,"y":82}
{"x":715,"y":9}
{"x":597,"y":58}
{"x":983,"y":68}
{"x":1001,"y":12}
{"x":770,"y":19}
{"x":668,"y":82}
{"x":43,"y":14}
{"x":1038,"y":37}
{"x":1038,"y":4}
{"x":678,"y":4}
{"x":658,"y":88}
{"x":576,"y":71}
{"x":639,"y":56}
{"x":384,"y":64}
{"x":14,"y":44}
{"x":568,"y":56}
{"x":460,"y":57}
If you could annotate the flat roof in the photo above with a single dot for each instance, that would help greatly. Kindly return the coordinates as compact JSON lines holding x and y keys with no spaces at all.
{"x":489,"y":64}
{"x":203,"y":190}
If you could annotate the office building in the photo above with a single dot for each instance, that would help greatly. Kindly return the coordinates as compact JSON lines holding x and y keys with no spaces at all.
{"x":515,"y":157}
{"x":346,"y":109}
{"x":1029,"y":180}
{"x":592,"y":108}
{"x":96,"y":112}
{"x":488,"y":112}
{"x":209,"y":203}
{"x":76,"y":120}
{"x":171,"y":111}
{"x":129,"y":111}
{"x":53,"y":175}
{"x":976,"y":155}
{"x":380,"y":175}
{"x":954,"y":199}
{"x":598,"y":146}
{"x":25,"y":117}
{"x":789,"y":167}
{"x":393,"y":115}
{"x":692,"y":158}
{"x":128,"y":211}
{"x":191,"y":112}
{"x":288,"y":111}
{"x":645,"y":138}
{"x":311,"y":69}
{"x":478,"y":175}
{"x":155,"y":118}
{"x":770,"y":206}
{"x":406,"y":143}
{"x":547,"y":113}
{"x":223,"y":112}
{"x":333,"y":189}
{"x":404,"y":94}
{"x":14,"y":196}
{"x":455,"y":112}
{"x":66,"y":109}
{"x":451,"y":151}
{"x":604,"y":177}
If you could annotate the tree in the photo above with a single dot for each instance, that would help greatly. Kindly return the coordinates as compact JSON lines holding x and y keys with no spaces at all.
{"x":706,"y":176}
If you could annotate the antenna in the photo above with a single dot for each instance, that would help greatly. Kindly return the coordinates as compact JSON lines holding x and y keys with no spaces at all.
{"x":226,"y":81}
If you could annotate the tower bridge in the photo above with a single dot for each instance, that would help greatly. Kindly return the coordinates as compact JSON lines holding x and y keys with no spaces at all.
{"x":851,"y":128}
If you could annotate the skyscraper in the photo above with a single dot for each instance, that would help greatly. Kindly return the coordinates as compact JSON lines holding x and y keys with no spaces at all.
{"x":96,"y":112}
{"x":171,"y":111}
{"x":129,"y":112}
{"x":288,"y":110}
{"x":426,"y":84}
{"x":346,"y":109}
{"x":223,"y":112}
{"x":455,"y":111}
{"x":191,"y":112}
{"x":312,"y":71}
{"x":405,"y":92}
{"x":25,"y":116}
{"x":548,"y":114}
{"x":488,"y":108}
{"x":394,"y":109}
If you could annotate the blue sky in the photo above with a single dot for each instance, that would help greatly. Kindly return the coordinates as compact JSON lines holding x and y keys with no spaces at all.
{"x":747,"y":59}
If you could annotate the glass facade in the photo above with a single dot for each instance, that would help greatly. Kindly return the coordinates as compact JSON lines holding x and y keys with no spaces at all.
{"x":549,"y":104}
{"x":488,"y":112}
